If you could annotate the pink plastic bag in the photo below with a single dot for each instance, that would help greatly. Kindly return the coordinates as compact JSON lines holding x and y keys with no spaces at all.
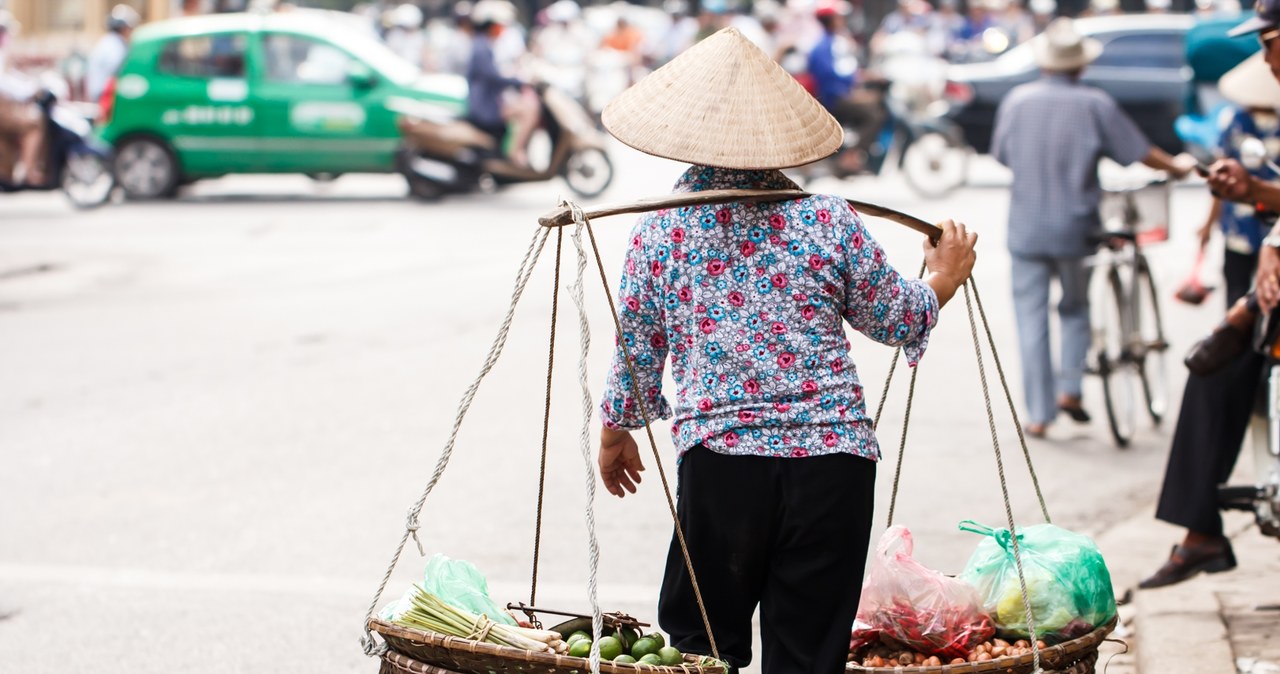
{"x":906,"y":604}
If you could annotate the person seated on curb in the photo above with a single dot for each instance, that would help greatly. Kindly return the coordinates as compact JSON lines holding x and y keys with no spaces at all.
{"x":1221,"y":390}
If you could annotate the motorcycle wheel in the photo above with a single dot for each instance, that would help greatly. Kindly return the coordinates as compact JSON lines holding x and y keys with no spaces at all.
{"x":87,"y":180}
{"x":934,"y":165}
{"x":147,"y":169}
{"x":588,"y":172}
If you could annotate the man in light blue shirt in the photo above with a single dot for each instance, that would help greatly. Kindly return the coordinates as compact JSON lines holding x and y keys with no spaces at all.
{"x":108,"y":54}
{"x":1052,"y":133}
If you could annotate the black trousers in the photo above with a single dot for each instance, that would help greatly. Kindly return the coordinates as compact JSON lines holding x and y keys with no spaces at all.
{"x":787,"y":534}
{"x":1211,"y":426}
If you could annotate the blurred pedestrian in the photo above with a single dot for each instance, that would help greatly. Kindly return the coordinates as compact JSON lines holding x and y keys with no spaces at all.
{"x":1052,"y":133}
{"x":21,"y":125}
{"x":1221,"y":394}
{"x":489,"y":108}
{"x":947,"y":28}
{"x":404,"y":33}
{"x":108,"y":54}
{"x":562,"y":48}
{"x":833,"y":65}
{"x":454,"y":50}
{"x":776,"y":454}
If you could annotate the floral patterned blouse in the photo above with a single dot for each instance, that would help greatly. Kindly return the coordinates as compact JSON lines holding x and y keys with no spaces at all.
{"x":748,"y":299}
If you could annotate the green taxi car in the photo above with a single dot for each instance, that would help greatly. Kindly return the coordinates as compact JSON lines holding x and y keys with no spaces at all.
{"x":287,"y":92}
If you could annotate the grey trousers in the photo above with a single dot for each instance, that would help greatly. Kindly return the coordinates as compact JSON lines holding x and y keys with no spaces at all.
{"x":1031,"y":278}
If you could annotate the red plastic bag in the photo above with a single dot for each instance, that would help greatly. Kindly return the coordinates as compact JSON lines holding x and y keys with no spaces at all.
{"x":905,"y":603}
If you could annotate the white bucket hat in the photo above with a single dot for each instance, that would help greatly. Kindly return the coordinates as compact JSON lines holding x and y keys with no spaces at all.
{"x":1251,"y":84}
{"x":724,"y":103}
{"x":1061,"y":47}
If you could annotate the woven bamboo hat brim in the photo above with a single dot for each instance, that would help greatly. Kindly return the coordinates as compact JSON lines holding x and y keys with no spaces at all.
{"x":724,"y":103}
{"x":1251,"y":84}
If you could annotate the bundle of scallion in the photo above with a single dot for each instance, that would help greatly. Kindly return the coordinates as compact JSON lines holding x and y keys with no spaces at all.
{"x":433,"y":614}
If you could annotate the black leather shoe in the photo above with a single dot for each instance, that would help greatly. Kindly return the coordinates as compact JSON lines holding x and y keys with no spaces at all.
{"x":1215,"y":351}
{"x":1185,"y":562}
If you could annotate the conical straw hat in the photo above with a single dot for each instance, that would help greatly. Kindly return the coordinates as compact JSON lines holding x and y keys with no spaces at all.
{"x":1251,"y":84}
{"x":724,"y":103}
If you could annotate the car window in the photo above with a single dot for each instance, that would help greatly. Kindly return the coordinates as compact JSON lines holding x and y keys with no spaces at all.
{"x":204,"y":56}
{"x":298,"y":59}
{"x":1146,"y":50}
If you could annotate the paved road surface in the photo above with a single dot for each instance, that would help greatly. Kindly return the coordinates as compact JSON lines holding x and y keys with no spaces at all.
{"x":215,"y":411}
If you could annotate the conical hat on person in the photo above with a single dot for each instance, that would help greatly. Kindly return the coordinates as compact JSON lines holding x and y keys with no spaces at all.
{"x":1251,"y":84}
{"x":724,"y":103}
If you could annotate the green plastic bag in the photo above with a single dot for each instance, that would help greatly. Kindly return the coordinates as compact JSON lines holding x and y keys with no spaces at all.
{"x":460,"y":583}
{"x":1067,"y":581}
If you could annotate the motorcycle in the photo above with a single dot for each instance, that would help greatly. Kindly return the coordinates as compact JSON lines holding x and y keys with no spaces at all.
{"x":75,"y":162}
{"x":1262,"y":498}
{"x":929,"y":150}
{"x":442,"y":153}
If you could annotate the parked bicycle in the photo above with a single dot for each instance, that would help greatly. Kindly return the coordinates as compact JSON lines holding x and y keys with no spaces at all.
{"x":1128,"y":345}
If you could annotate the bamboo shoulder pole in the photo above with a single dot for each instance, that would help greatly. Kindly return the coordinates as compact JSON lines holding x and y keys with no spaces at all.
{"x":563,"y":214}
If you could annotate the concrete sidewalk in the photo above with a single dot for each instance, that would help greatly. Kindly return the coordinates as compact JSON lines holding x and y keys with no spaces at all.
{"x":1212,"y":624}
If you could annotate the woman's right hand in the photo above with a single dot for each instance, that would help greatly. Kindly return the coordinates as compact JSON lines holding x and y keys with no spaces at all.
{"x":950,"y":260}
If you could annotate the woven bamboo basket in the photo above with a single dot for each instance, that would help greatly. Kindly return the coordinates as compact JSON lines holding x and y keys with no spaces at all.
{"x":1077,"y":656}
{"x":478,"y":657}
{"x":395,"y":663}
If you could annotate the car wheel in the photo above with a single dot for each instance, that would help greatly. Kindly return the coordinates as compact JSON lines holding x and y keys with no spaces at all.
{"x":147,"y":169}
{"x":588,"y":172}
{"x":934,"y":165}
{"x":87,"y":180}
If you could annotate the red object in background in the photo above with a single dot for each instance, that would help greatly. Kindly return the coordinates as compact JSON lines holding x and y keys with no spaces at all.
{"x":1192,"y":291}
{"x":107,"y":102}
{"x":809,"y":83}
{"x":957,"y":92}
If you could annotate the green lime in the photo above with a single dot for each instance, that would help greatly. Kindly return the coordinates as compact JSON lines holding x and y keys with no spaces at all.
{"x":670,"y":656}
{"x":628,"y":638}
{"x":650,"y":659}
{"x":610,"y":648}
{"x":624,"y":659}
{"x":657,"y":636}
{"x":580,"y":648}
{"x":577,"y":635}
{"x":644,"y":647}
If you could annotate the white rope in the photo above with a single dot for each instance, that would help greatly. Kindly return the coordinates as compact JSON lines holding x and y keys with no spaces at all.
{"x":367,"y":642}
{"x":584,"y":441}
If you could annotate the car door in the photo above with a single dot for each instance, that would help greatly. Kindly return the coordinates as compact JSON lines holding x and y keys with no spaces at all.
{"x":312,"y":99}
{"x":1145,"y":72}
{"x":200,"y":95}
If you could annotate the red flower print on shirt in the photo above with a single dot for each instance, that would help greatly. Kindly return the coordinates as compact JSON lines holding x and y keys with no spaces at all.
{"x":707,"y":326}
{"x":786,"y":359}
{"x":837,"y":365}
{"x":807,"y":312}
{"x":637,"y":242}
{"x":746,"y":416}
{"x":722,"y":216}
{"x":677,"y":235}
{"x":736,"y":298}
{"x":655,"y":268}
{"x":777,"y":221}
{"x":778,"y":328}
{"x":830,"y":439}
{"x":715,"y":267}
{"x":809,"y":386}
{"x":775,"y":239}
{"x":799,"y":453}
{"x":632,"y":303}
{"x":824,"y":216}
{"x":684,"y":294}
{"x":815,"y":262}
{"x":751,"y":386}
{"x":779,"y":280}
{"x":748,"y":248}
{"x":658,"y":340}
{"x":704,"y":405}
{"x":730,"y":439}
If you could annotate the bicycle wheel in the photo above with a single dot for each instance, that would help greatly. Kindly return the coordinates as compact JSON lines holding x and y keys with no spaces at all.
{"x":1113,"y":362}
{"x":1152,"y":347}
